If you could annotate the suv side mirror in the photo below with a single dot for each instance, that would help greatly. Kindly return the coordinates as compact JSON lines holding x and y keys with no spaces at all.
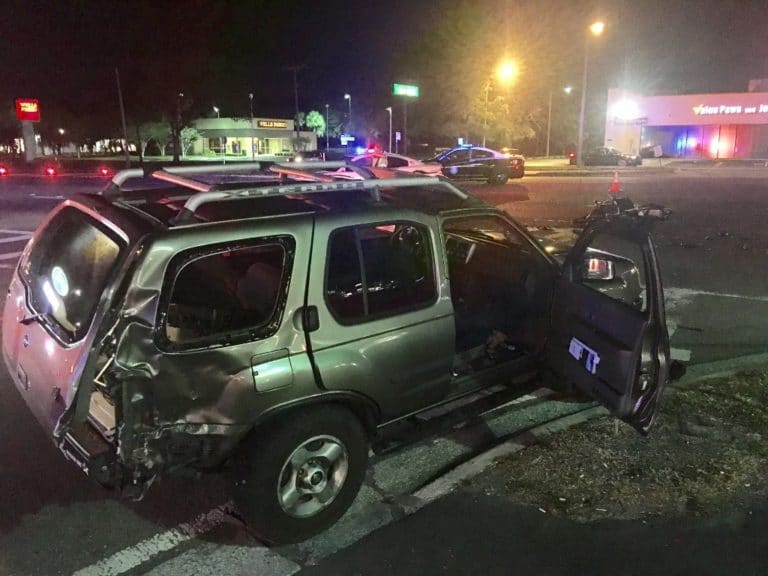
{"x":597,"y":269}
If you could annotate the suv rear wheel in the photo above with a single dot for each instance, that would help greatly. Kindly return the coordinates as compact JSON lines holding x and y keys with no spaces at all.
{"x":296,"y":477}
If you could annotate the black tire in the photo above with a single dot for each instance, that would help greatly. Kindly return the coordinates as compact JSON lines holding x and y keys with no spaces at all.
{"x":261,"y":462}
{"x":498,"y":176}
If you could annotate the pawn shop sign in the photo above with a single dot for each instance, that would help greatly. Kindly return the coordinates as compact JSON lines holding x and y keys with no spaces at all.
{"x":27,"y":110}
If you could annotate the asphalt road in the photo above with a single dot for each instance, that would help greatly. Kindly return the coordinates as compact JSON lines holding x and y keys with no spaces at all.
{"x":53,"y":520}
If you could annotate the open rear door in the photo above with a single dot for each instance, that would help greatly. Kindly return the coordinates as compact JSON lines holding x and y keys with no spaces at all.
{"x":608,"y":332}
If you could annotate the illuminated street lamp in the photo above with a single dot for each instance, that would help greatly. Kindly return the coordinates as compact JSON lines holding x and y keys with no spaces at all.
{"x":62,"y":131}
{"x":389,"y":109}
{"x":506,"y":73}
{"x":567,"y":90}
{"x":348,"y":97}
{"x":216,"y":109}
{"x":595,"y":29}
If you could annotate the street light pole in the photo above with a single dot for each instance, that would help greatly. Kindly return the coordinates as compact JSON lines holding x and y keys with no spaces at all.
{"x":567,"y":90}
{"x":348,"y":97}
{"x":596,"y":29}
{"x":326,"y":128}
{"x":389,"y":109}
{"x":485,"y":112}
{"x":549,"y":122}
{"x":253,"y":151}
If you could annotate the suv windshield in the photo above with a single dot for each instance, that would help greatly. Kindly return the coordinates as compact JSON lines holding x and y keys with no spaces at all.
{"x":67,"y":271}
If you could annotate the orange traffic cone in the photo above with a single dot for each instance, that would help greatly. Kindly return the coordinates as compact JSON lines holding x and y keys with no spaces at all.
{"x":615,"y":185}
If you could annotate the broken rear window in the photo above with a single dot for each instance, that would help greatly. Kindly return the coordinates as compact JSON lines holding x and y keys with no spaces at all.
{"x":67,"y":271}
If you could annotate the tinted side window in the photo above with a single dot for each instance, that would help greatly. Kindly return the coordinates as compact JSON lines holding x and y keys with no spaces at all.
{"x":397,"y":273}
{"x":344,"y":284}
{"x":223,"y":294}
{"x":458,"y":156}
{"x":366,"y":161}
{"x":394,"y":162}
{"x":481,"y":154}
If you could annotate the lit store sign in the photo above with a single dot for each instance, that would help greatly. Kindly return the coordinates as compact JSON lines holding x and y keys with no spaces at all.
{"x":27,"y":110}
{"x":702,"y":110}
{"x":272,"y":124}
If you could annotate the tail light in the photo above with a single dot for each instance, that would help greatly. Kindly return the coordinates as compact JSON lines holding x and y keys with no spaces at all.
{"x":50,"y":171}
{"x":104,"y":171}
{"x":3,"y":171}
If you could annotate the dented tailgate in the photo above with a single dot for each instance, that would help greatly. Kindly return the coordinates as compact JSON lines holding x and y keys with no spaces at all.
{"x":66,"y":276}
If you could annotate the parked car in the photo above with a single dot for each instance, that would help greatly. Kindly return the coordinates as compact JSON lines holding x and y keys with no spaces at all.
{"x":606,"y":156}
{"x":383,"y":163}
{"x":476,"y":163}
{"x":328,"y":310}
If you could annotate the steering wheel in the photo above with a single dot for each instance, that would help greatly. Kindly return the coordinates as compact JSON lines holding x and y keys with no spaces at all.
{"x":408,"y":238}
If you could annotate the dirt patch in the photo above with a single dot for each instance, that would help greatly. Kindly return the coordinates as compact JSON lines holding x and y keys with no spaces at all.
{"x":709,"y":450}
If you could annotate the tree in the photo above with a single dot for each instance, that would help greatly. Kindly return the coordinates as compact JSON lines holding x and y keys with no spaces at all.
{"x":454,"y":60}
{"x":334,"y":124}
{"x":157,"y":132}
{"x":315,"y":122}
{"x":189,"y":135}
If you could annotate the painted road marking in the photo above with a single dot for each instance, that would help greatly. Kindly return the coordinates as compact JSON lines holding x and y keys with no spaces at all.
{"x":10,"y":256}
{"x":687,"y":293}
{"x":23,"y":238}
{"x":209,"y":558}
{"x":136,"y":555}
{"x":25,"y":232}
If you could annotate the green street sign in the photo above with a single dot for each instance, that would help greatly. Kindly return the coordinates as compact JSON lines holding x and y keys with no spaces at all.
{"x":406,"y":90}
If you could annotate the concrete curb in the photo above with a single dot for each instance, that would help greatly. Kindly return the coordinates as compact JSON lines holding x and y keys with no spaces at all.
{"x":721,"y":368}
{"x":478,"y":464}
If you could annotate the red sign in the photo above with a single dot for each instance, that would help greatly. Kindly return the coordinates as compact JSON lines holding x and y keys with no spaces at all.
{"x":27,"y":110}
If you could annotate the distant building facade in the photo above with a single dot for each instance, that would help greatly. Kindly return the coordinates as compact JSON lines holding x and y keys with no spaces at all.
{"x":240,"y":137}
{"x":728,"y":125}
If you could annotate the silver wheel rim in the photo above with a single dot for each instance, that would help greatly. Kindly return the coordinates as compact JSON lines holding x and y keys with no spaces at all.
{"x":312,"y":476}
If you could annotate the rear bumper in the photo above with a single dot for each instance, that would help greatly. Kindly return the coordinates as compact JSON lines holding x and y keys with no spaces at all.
{"x":87,"y":450}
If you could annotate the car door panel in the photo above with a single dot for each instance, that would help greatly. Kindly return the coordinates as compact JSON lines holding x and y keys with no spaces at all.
{"x":616,"y":352}
{"x":402,"y":361}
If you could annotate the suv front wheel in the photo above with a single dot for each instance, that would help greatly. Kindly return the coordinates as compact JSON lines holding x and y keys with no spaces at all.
{"x":296,"y":477}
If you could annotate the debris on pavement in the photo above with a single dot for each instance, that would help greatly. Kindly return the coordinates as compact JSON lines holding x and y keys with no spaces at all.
{"x":705,"y":453}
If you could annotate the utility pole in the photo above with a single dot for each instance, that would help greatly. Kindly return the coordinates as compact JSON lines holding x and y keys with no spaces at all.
{"x":326,"y":127}
{"x":405,"y":126}
{"x":122,"y":117}
{"x":253,"y":151}
{"x":295,"y":70}
{"x":549,"y":122}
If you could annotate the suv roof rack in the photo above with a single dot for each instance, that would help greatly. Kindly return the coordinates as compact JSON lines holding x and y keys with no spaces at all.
{"x":178,"y":175}
{"x":373,"y":186}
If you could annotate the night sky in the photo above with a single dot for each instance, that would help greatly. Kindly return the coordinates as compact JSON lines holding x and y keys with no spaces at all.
{"x":64,"y":52}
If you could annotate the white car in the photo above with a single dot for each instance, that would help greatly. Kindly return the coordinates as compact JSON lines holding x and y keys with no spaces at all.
{"x":396,"y":163}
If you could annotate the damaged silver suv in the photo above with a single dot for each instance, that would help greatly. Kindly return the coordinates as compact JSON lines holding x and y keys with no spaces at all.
{"x":279,"y":326}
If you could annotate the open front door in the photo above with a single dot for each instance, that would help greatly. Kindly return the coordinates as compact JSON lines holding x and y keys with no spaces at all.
{"x":608,"y":332}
